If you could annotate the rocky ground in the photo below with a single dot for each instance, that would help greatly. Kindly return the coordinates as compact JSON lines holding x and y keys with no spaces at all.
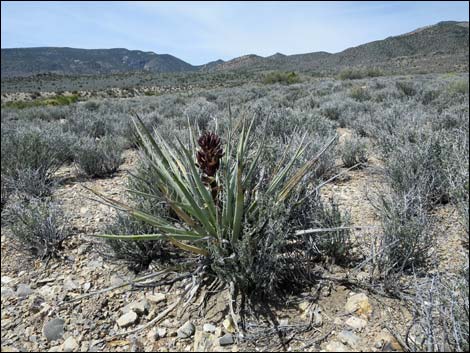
{"x":37,"y":314}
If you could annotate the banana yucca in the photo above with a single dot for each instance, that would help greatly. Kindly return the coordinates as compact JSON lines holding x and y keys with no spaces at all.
{"x":212,"y":191}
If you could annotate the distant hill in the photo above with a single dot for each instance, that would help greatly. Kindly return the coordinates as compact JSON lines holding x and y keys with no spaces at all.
{"x":440,"y":47}
{"x":70,"y":61}
{"x":445,"y":43}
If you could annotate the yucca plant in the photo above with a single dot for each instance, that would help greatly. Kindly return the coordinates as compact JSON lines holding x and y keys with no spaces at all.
{"x":227,"y":211}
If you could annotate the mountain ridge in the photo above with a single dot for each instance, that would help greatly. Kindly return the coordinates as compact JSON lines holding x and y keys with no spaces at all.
{"x":442,"y":44}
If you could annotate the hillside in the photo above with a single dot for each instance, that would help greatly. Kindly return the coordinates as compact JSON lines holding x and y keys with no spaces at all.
{"x":436,"y":48}
{"x":444,"y":44}
{"x":70,"y":61}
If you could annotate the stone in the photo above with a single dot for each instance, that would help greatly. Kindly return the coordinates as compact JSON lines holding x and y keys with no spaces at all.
{"x":386,"y":342}
{"x":53,"y":329}
{"x":46,"y":291}
{"x":226,"y":340}
{"x":86,"y":286}
{"x":9,"y":349}
{"x":70,"y":345}
{"x":228,"y":325}
{"x":203,"y":341}
{"x":304,"y":306}
{"x":186,"y":331}
{"x":356,"y":323}
{"x":70,"y":285}
{"x":140,"y":307}
{"x":6,"y":279}
{"x":335,"y":346}
{"x":358,"y":303}
{"x":283,"y":322}
{"x":127,"y":319}
{"x":161,"y":331}
{"x":23,"y":290}
{"x":349,"y":338}
{"x":218,"y":332}
{"x":209,"y":328}
{"x":7,"y":292}
{"x":156,"y":298}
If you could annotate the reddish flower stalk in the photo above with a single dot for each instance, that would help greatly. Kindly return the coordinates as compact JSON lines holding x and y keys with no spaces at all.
{"x":208,"y":160}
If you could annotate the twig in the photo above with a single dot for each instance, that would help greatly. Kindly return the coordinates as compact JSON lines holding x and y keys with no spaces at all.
{"x":101,"y":291}
{"x":324,"y":230}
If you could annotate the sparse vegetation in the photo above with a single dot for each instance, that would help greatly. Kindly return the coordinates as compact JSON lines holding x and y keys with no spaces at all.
{"x":285,"y":78}
{"x":38,"y":227}
{"x":98,"y":158}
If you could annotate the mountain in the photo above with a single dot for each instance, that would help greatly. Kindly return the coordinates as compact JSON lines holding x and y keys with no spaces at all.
{"x":70,"y":61}
{"x":440,"y":47}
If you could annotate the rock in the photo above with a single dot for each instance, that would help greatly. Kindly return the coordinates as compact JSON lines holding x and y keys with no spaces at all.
{"x":161,"y":331}
{"x":6,"y":280}
{"x":335,"y":346}
{"x":70,"y":345}
{"x":140,"y":307}
{"x":386,"y":342}
{"x":156,"y":298}
{"x":186,"y":331}
{"x":36,"y":305}
{"x":226,"y":340}
{"x":54,"y":329}
{"x":209,"y":328}
{"x":7,"y":292}
{"x":127,"y":319}
{"x":304,"y":306}
{"x":218,"y":332}
{"x":46,"y":291}
{"x":55,"y":349}
{"x":362,"y":276}
{"x":203,"y":341}
{"x":356,"y":323}
{"x":86,"y":286}
{"x":228,"y":325}
{"x":70,"y":285}
{"x":9,"y":349}
{"x":349,"y":338}
{"x":358,"y":303}
{"x":23,"y":290}
{"x":283,"y":322}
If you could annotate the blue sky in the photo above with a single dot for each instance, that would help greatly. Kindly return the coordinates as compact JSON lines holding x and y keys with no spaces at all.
{"x":199,"y":32}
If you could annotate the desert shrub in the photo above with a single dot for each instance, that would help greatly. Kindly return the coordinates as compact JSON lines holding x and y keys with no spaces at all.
{"x":98,"y":158}
{"x":200,"y":113}
{"x":331,"y":110}
{"x":335,"y":241}
{"x":407,"y":235}
{"x":38,"y":227}
{"x":137,"y":254}
{"x":285,"y":78}
{"x":354,"y":151}
{"x":231,"y":213}
{"x":456,"y":166}
{"x":406,"y":88}
{"x":5,"y":192}
{"x":459,"y":87}
{"x":92,"y":105}
{"x":356,"y":73}
{"x":87,"y":124}
{"x":440,"y":308}
{"x":359,"y":94}
{"x":29,"y":160}
{"x":416,"y":160}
